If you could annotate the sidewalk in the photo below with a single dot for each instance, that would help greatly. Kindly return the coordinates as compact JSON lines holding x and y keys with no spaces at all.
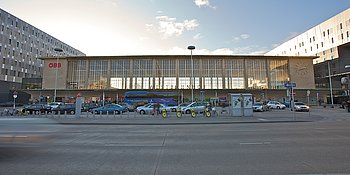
{"x":264,"y":117}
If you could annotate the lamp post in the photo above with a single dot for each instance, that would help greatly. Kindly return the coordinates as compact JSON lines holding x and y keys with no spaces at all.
{"x":192,"y":78}
{"x":330,"y":84}
{"x":55,"y":91}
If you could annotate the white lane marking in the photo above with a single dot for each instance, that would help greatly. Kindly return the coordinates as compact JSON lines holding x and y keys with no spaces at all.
{"x":255,"y":143}
{"x":261,"y":119}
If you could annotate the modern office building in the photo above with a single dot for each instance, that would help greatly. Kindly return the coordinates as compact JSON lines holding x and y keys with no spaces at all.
{"x":330,"y":43}
{"x":21,"y":44}
{"x":214,"y":76}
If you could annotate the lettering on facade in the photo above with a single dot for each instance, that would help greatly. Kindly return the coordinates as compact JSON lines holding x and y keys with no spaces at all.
{"x":54,"y":65}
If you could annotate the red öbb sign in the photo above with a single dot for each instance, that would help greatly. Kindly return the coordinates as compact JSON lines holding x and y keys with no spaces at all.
{"x":54,"y":65}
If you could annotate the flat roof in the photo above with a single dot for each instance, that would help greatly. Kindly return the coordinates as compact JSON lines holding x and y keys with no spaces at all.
{"x":181,"y":56}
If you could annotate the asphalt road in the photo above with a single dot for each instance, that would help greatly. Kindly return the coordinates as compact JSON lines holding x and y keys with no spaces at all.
{"x":319,"y":147}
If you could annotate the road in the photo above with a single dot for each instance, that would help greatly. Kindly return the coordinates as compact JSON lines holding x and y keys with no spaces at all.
{"x":318,"y":147}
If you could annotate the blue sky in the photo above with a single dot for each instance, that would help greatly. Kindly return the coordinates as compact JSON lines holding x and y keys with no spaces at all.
{"x":138,"y":27}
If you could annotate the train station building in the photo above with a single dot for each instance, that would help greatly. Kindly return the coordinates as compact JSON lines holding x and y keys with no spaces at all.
{"x":214,"y":76}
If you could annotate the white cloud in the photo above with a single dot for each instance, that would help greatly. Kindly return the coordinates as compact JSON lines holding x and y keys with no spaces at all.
{"x":170,"y":27}
{"x":248,"y":50}
{"x":200,"y":3}
{"x":245,"y":36}
{"x":149,"y":27}
{"x":198,"y":36}
{"x":108,"y":2}
{"x":241,"y":37}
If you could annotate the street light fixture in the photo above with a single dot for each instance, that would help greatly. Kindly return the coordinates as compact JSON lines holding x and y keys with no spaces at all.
{"x":55,"y":92}
{"x":192,"y":78}
{"x":330,"y":84}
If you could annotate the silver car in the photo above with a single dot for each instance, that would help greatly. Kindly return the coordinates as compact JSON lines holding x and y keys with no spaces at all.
{"x":148,"y":108}
{"x":198,"y":107}
{"x":299,"y":106}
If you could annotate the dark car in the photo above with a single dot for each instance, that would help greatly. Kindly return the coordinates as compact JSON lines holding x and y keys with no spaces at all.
{"x":88,"y":106}
{"x":68,"y":108}
{"x":110,"y":109}
{"x":36,"y":108}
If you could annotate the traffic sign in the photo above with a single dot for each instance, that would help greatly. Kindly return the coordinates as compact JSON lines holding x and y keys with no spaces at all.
{"x":14,"y":94}
{"x":290,"y":85}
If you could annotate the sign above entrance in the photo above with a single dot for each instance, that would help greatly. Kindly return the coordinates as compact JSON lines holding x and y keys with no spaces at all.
{"x":54,"y":65}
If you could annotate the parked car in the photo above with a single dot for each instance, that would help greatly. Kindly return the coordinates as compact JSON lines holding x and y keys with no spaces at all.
{"x":301,"y":107}
{"x":110,"y":108}
{"x":36,"y":108}
{"x":88,"y":106}
{"x":54,"y":105}
{"x":275,"y":105}
{"x":260,"y":107}
{"x":148,"y":108}
{"x":68,"y":108}
{"x":198,"y":107}
{"x":127,"y":106}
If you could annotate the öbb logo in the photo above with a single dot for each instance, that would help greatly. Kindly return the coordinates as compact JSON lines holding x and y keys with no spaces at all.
{"x":54,"y":65}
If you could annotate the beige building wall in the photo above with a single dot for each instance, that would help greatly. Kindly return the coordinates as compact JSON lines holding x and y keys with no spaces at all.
{"x":301,"y":72}
{"x":49,"y":73}
{"x":321,"y":40}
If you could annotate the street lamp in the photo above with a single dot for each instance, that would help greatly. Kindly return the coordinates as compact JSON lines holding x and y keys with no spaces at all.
{"x":55,"y":92}
{"x":330,"y":84}
{"x":192,"y":78}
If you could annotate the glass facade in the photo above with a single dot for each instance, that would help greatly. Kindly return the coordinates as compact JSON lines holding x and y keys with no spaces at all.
{"x":278,"y":70}
{"x":77,"y":76}
{"x":256,"y":73}
{"x":176,"y":73}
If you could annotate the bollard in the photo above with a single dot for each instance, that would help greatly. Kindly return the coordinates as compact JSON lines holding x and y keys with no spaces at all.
{"x":100,"y":114}
{"x":65,"y":114}
{"x":107,"y":113}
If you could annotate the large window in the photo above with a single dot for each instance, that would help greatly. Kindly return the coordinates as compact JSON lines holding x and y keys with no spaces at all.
{"x":98,"y":74}
{"x":212,"y":74}
{"x":119,"y":74}
{"x":278,"y":70}
{"x":256,"y":73}
{"x":165,"y":74}
{"x":77,"y":74}
{"x":185,"y":74}
{"x":234,"y":74}
{"x":142,"y":74}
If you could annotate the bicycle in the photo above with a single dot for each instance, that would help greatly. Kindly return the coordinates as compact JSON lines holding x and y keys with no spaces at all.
{"x":178,"y":113}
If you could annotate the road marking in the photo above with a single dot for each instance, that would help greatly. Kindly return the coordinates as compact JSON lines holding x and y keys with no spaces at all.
{"x":261,"y":119}
{"x":255,"y":143}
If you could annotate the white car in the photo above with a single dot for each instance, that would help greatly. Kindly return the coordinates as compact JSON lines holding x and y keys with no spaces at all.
{"x":198,"y":107}
{"x":148,"y":108}
{"x":299,"y":106}
{"x":275,"y":105}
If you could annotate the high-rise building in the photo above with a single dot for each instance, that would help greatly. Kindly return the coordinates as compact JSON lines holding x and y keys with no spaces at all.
{"x":21,"y":44}
{"x":330,"y":42}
